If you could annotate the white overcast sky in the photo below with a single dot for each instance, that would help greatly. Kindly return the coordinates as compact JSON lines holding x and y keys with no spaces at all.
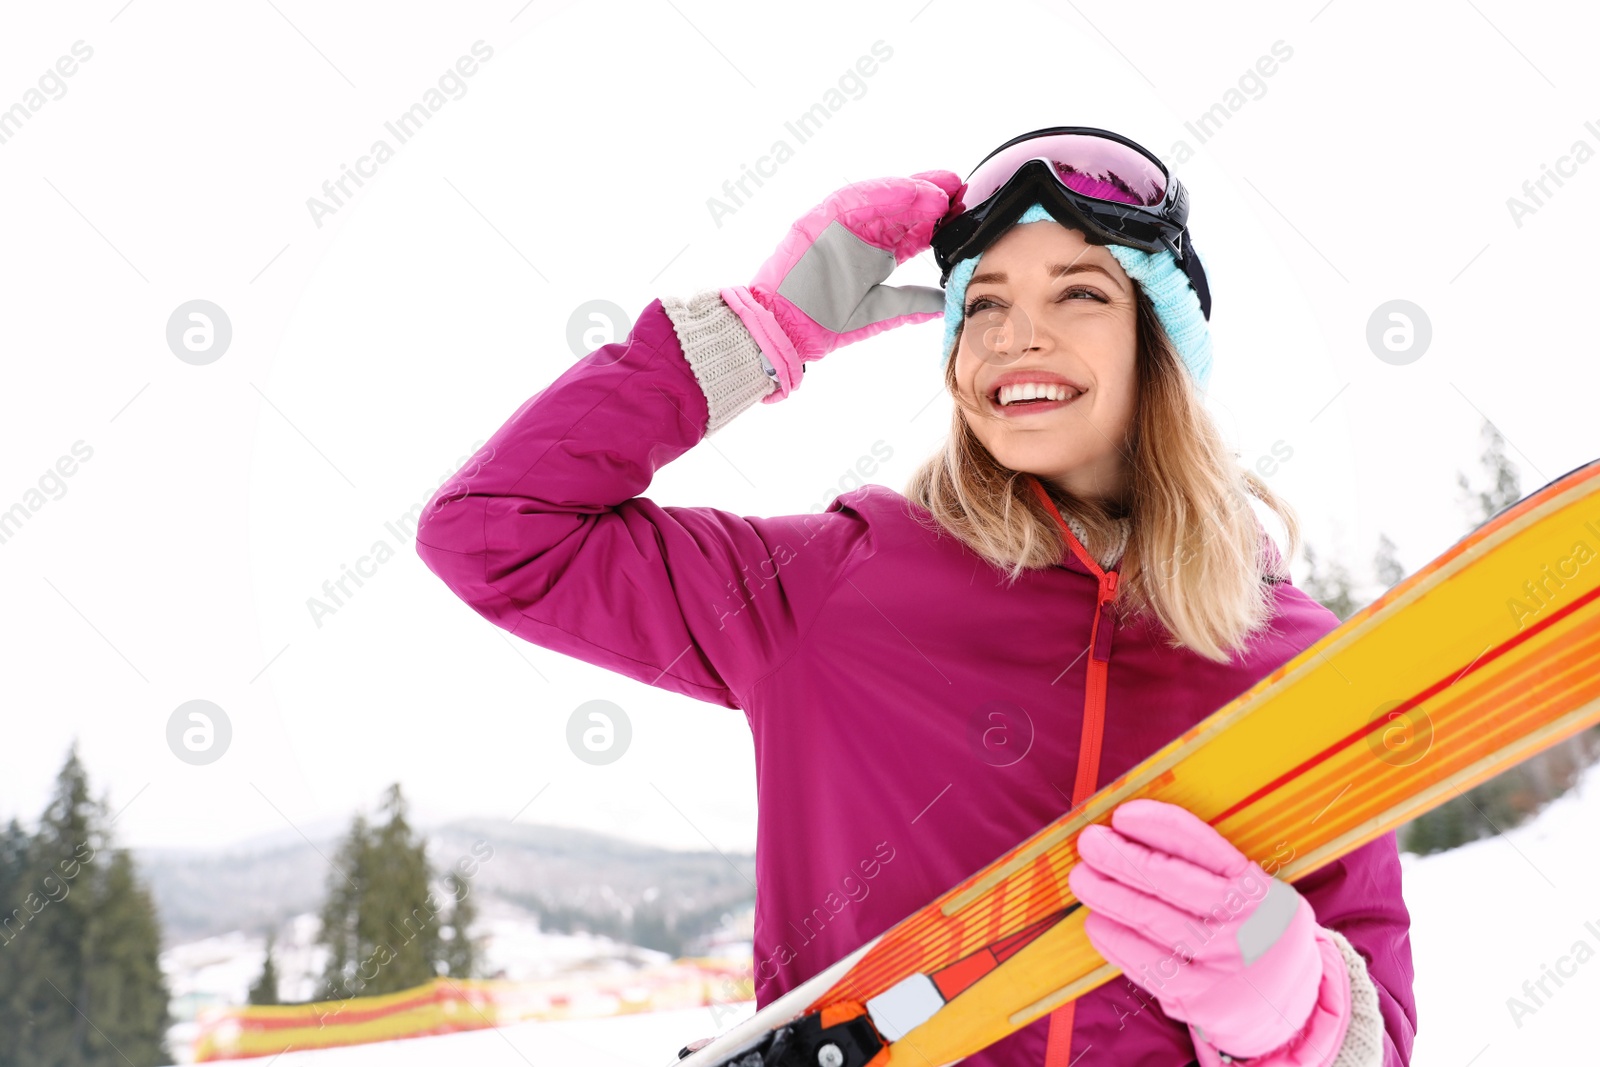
{"x":371,"y":353}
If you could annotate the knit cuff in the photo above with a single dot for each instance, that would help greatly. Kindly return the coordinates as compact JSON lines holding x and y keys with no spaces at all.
{"x":1363,"y":1038}
{"x":726,"y":360}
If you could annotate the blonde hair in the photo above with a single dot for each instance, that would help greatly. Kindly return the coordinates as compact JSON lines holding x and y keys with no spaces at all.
{"x":1194,"y":557}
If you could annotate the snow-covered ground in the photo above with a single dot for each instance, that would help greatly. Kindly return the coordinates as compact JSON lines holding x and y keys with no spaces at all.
{"x":1494,"y":914}
{"x":1486,"y":918}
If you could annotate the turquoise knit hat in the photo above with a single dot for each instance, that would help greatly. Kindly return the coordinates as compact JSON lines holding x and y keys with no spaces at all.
{"x":1157,"y":273}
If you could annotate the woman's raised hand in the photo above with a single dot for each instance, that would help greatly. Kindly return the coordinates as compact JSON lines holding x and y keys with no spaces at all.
{"x":822,"y":288}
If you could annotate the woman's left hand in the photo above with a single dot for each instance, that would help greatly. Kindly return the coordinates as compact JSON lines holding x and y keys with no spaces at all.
{"x":1217,"y":942}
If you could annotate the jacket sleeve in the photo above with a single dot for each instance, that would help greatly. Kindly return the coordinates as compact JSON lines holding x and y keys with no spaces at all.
{"x":1358,"y":897}
{"x":544,"y":533}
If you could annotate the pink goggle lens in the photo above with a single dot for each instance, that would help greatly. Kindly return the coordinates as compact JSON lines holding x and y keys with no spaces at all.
{"x":1094,"y":166}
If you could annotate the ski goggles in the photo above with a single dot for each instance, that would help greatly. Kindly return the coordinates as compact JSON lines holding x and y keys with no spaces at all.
{"x":1108,"y":185}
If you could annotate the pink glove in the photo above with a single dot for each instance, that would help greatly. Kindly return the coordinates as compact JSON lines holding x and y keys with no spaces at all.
{"x":821,"y":289}
{"x":1222,"y":946}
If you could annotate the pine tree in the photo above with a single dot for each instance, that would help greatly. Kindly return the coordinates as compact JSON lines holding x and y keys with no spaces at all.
{"x":381,"y":921}
{"x":339,"y":911}
{"x":461,"y":951}
{"x":86,"y":988}
{"x":265,"y":990}
{"x":55,"y":942}
{"x":405,"y":907}
{"x":1330,"y":588}
{"x":15,"y":845}
{"x":1504,"y":487}
{"x":1385,"y":565}
{"x":14,"y":842}
{"x":127,"y":989}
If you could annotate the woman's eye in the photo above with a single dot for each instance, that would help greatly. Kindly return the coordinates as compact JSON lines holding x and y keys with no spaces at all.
{"x":982,"y":302}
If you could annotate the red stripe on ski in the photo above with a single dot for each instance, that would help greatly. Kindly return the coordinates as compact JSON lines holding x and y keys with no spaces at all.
{"x":952,"y":978}
{"x":1432,"y":690}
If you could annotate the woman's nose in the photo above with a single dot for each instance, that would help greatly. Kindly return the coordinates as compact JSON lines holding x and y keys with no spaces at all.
{"x":1024,"y":332}
{"x":1004,"y":334}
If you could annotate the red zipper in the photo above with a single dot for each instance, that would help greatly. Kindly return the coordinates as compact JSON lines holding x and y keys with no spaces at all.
{"x":1094,"y":697}
{"x":1058,"y":1045}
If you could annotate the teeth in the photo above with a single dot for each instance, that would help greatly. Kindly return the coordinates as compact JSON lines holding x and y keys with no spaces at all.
{"x":1010,"y":394}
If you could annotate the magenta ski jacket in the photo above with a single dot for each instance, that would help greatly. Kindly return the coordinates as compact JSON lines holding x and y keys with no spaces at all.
{"x":868,"y":654}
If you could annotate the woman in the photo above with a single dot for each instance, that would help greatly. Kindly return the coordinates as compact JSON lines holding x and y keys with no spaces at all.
{"x":929,"y":678}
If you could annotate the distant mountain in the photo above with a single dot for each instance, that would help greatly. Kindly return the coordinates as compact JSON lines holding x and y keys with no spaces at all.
{"x":572,"y":879}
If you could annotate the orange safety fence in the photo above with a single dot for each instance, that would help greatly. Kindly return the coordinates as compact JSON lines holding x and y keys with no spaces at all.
{"x":446,"y":1005}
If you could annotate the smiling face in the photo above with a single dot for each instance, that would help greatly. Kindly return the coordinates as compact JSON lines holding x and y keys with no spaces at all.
{"x":1047,"y":357}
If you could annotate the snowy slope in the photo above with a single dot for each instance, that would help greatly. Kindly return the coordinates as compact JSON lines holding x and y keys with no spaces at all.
{"x":1491,"y":915}
{"x":1486,"y":918}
